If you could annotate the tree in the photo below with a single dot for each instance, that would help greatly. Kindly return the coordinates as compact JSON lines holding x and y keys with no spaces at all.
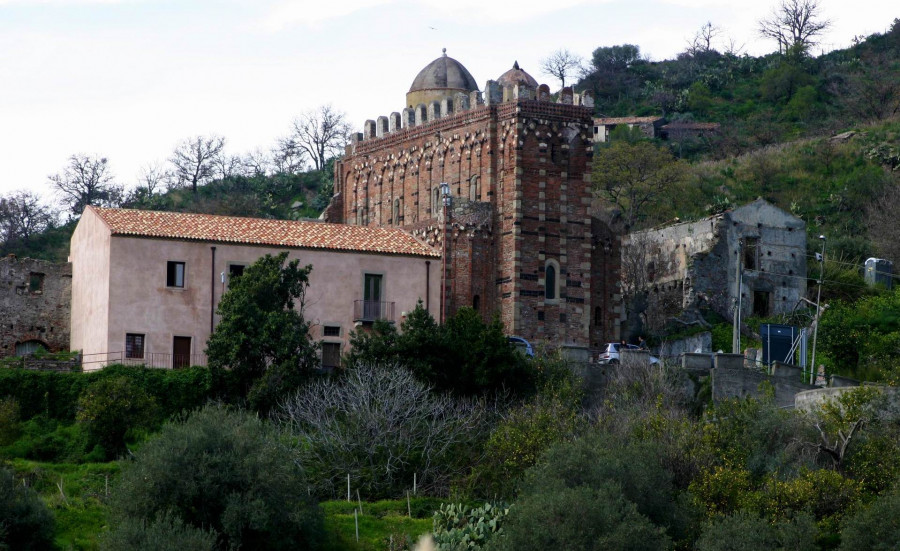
{"x":195,"y":160}
{"x":631,"y":176}
{"x":321,"y":133}
{"x":262,"y":337}
{"x":25,"y":522}
{"x":795,"y":25}
{"x":287,"y":156}
{"x":381,"y":426}
{"x":220,"y":471}
{"x":702,"y":41}
{"x":110,"y":407}
{"x":561,"y":64}
{"x":86,"y":180}
{"x":615,"y":58}
{"x":22,"y":215}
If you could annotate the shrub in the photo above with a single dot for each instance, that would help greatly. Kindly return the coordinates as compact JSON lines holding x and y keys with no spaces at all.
{"x":381,"y":426}
{"x":874,"y":528}
{"x":109,"y":408}
{"x":459,"y":527}
{"x":9,"y":420}
{"x":163,"y":534}
{"x":745,"y":531}
{"x":25,"y":522}
{"x":224,"y":471}
{"x":578,"y":518}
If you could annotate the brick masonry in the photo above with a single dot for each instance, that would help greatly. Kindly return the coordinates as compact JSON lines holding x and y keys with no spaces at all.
{"x":35,"y":303}
{"x":519,"y":175}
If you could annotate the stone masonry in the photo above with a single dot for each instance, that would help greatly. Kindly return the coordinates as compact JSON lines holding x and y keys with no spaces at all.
{"x":35,"y":301}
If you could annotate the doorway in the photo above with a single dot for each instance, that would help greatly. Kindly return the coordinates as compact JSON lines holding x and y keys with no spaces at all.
{"x":181,"y":352}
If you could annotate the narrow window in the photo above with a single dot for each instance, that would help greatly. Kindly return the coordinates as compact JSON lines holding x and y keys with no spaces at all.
{"x":134,"y":346}
{"x":762,"y":304}
{"x":751,"y":253}
{"x":372,"y":291}
{"x":436,"y":201}
{"x":473,"y":188}
{"x":396,"y":216}
{"x":175,"y":274}
{"x":550,"y":282}
{"x":476,"y":303}
{"x":36,"y":283}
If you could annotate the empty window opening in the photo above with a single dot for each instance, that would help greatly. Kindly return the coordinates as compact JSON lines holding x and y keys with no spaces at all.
{"x":175,"y":274}
{"x":751,"y":253}
{"x":36,"y":283}
{"x":762,"y":306}
{"x":476,"y":303}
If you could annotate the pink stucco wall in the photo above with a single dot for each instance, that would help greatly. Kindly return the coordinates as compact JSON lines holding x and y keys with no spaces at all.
{"x":140,"y":302}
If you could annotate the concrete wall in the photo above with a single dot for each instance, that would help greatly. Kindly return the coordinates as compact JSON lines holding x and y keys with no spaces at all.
{"x":701,"y":342}
{"x":742,"y":383}
{"x":35,"y":300}
{"x":89,"y":256}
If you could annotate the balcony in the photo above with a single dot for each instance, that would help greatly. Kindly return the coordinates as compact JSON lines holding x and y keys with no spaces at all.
{"x":367,"y":311}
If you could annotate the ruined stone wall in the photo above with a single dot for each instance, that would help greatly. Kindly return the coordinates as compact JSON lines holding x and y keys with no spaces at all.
{"x":606,"y":293}
{"x":35,"y":304}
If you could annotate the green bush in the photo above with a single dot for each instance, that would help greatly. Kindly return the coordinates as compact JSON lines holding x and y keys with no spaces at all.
{"x":163,"y":534}
{"x":111,"y":407}
{"x":874,"y":528}
{"x":578,"y":518}
{"x":9,"y":420}
{"x":43,"y":439}
{"x":744,"y":531}
{"x":225,"y":471}
{"x":25,"y":522}
{"x":458,"y":527}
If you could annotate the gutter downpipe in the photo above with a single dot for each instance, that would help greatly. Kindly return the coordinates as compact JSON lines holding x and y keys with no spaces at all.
{"x":212,"y":290}
{"x":428,"y":286}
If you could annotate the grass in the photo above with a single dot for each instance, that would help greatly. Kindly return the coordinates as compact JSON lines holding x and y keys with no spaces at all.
{"x":379,"y":522}
{"x":75,"y":494}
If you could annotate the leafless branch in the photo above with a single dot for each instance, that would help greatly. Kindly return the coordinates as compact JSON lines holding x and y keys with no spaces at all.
{"x":561,"y":64}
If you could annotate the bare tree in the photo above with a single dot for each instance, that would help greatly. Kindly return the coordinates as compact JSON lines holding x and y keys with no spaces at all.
{"x":703,"y":39}
{"x":153,"y":178}
{"x":194,"y":160}
{"x":379,"y":424}
{"x":257,"y":163}
{"x":794,"y":24}
{"x":561,"y":64}
{"x":22,"y":214}
{"x":86,"y":180}
{"x":321,"y":133}
{"x":228,"y":165}
{"x":288,"y":157}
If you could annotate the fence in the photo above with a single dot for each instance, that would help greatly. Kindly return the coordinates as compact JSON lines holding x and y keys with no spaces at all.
{"x":154,"y":359}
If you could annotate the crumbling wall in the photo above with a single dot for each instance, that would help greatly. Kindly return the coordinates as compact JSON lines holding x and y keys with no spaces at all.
{"x":35,"y":304}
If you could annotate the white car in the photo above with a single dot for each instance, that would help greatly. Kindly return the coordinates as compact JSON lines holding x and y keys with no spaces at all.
{"x":610,"y":353}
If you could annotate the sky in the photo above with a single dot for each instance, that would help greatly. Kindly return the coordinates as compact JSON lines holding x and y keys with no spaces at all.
{"x":129,"y":79}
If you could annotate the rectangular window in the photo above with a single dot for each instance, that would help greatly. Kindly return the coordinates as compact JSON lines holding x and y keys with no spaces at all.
{"x":331,"y":330}
{"x":134,"y":346}
{"x":751,"y":253}
{"x":36,"y":283}
{"x":331,"y":354}
{"x":175,"y":274}
{"x":235,"y":270}
{"x":372,"y":305}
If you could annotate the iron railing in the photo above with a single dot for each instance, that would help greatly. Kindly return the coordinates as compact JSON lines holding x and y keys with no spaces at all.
{"x":371,"y":310}
{"x":151,"y":359}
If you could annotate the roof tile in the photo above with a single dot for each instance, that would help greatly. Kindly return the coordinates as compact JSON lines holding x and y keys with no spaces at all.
{"x":259,"y":231}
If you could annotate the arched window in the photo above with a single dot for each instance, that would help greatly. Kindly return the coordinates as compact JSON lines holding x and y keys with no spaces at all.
{"x":473,"y":188}
{"x":551,"y":281}
{"x":396,"y":214}
{"x":436,"y":200}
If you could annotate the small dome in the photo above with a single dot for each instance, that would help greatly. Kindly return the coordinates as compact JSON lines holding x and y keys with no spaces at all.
{"x":516,"y":76}
{"x":444,"y":73}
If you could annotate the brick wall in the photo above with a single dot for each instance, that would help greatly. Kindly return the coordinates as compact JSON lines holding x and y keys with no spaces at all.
{"x":35,"y":303}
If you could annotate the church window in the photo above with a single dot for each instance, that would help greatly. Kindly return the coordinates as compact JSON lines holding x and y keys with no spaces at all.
{"x":551,"y":281}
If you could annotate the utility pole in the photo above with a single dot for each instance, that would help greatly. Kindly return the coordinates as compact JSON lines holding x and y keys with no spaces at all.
{"x":814,"y":369}
{"x":736,"y":329}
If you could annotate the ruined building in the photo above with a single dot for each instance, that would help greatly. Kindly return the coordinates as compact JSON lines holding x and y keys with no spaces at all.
{"x":699,"y":265}
{"x":516,"y":232}
{"x":35,"y":299}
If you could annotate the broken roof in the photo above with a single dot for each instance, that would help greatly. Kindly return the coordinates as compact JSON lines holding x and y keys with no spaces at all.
{"x":259,"y":231}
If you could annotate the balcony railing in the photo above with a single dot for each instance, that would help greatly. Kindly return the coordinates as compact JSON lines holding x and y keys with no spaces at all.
{"x":368,"y":311}
{"x":150,"y":359}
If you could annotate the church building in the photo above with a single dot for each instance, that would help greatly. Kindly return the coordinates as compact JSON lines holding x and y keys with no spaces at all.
{"x":498,"y":180}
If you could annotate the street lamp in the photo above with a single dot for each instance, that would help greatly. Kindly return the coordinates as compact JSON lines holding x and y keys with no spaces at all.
{"x":445,"y":198}
{"x":821,"y":259}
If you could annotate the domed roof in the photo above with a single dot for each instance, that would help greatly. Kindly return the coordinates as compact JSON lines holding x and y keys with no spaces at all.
{"x":516,"y":76}
{"x":443,"y":73}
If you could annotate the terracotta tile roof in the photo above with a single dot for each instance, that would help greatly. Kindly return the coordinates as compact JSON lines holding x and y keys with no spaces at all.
{"x":692,"y":126}
{"x":258,"y":231}
{"x":625,"y":120}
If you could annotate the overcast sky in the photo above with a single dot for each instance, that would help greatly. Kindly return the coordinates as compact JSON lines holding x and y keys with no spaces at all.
{"x":128,"y":79}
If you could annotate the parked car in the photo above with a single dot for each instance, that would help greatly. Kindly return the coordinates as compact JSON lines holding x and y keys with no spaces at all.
{"x":610,"y":353}
{"x":523,"y":345}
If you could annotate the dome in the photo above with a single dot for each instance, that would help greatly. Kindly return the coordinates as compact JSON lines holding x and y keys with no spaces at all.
{"x":516,"y":76}
{"x":441,"y":78}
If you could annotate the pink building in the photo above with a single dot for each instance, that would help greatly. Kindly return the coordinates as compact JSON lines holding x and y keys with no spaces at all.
{"x":145,"y":284}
